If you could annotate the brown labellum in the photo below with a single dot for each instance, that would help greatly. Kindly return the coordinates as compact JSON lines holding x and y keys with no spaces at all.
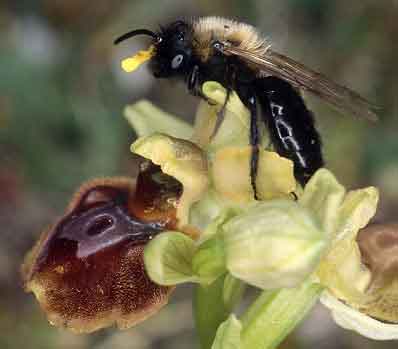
{"x":378,"y":244}
{"x":87,"y":270}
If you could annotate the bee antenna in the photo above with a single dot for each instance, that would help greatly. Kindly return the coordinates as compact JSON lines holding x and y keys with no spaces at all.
{"x":134,"y":33}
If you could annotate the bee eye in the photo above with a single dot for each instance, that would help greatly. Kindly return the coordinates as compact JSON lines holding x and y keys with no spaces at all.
{"x":177,"y":60}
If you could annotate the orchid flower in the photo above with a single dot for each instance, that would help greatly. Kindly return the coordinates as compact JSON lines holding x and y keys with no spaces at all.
{"x":191,"y":216}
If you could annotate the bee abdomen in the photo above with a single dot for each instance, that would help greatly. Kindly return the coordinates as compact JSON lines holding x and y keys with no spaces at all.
{"x":291,"y":126}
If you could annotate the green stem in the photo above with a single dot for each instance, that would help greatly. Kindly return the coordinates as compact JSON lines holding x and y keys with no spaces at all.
{"x":213,"y":304}
{"x":209,"y":311}
{"x":275,"y":314}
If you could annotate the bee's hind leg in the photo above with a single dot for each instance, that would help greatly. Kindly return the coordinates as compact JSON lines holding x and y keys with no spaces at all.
{"x":248,"y":98}
{"x":221,"y":112}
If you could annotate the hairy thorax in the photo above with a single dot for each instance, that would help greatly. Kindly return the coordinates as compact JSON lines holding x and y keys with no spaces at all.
{"x":209,"y":29}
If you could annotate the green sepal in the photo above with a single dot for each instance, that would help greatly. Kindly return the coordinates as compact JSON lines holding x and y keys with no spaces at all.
{"x":323,"y":196}
{"x":168,"y":258}
{"x":208,"y":262}
{"x":146,"y":119}
{"x":273,"y":244}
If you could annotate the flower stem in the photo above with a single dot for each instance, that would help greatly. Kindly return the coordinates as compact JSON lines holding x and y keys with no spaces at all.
{"x":209,"y":311}
{"x":275,"y":314}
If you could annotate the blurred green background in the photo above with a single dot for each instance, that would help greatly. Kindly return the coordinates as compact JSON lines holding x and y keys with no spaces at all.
{"x":61,"y":99}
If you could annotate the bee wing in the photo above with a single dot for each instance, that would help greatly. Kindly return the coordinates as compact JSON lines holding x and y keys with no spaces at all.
{"x":276,"y":64}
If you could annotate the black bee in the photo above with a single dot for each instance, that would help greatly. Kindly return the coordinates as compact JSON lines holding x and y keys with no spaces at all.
{"x":235,"y":55}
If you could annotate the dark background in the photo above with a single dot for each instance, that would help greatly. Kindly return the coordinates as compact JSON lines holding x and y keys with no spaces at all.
{"x":61,"y":98}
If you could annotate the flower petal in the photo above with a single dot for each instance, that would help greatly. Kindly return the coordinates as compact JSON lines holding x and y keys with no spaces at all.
{"x":180,"y":159}
{"x":275,"y":176}
{"x":210,"y":132}
{"x":343,"y":273}
{"x":230,"y":172}
{"x":342,"y":270}
{"x":351,"y":319}
{"x":358,"y":207}
{"x":204,"y":211}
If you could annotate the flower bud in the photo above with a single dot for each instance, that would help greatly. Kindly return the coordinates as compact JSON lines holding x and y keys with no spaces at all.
{"x":273,"y":244}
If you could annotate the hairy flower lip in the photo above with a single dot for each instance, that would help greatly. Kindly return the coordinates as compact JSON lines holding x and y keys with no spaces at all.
{"x":378,"y":244}
{"x":87,"y":270}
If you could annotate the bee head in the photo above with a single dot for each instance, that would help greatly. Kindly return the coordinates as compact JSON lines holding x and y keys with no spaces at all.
{"x":170,"y":53}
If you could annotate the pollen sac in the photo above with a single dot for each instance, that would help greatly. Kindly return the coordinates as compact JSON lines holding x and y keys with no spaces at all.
{"x":378,"y":244}
{"x":87,"y":270}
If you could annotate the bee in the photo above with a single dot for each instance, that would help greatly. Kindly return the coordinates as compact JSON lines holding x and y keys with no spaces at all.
{"x":238,"y":57}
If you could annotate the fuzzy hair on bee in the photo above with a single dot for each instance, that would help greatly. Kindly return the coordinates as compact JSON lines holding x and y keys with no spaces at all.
{"x":268,"y":83}
{"x":241,"y":35}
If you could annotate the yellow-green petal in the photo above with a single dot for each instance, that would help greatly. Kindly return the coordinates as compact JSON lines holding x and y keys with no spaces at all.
{"x":180,"y":159}
{"x":230,"y":173}
{"x":342,"y":272}
{"x":232,"y":130}
{"x":358,"y":207}
{"x":205,"y":123}
{"x":204,"y":211}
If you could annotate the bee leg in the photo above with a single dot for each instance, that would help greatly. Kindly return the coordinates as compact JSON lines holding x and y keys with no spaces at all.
{"x":230,"y":74}
{"x":221,"y":112}
{"x":192,"y":81}
{"x":248,"y":98}
{"x":294,"y":196}
{"x":194,"y":85}
{"x":291,"y":125}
